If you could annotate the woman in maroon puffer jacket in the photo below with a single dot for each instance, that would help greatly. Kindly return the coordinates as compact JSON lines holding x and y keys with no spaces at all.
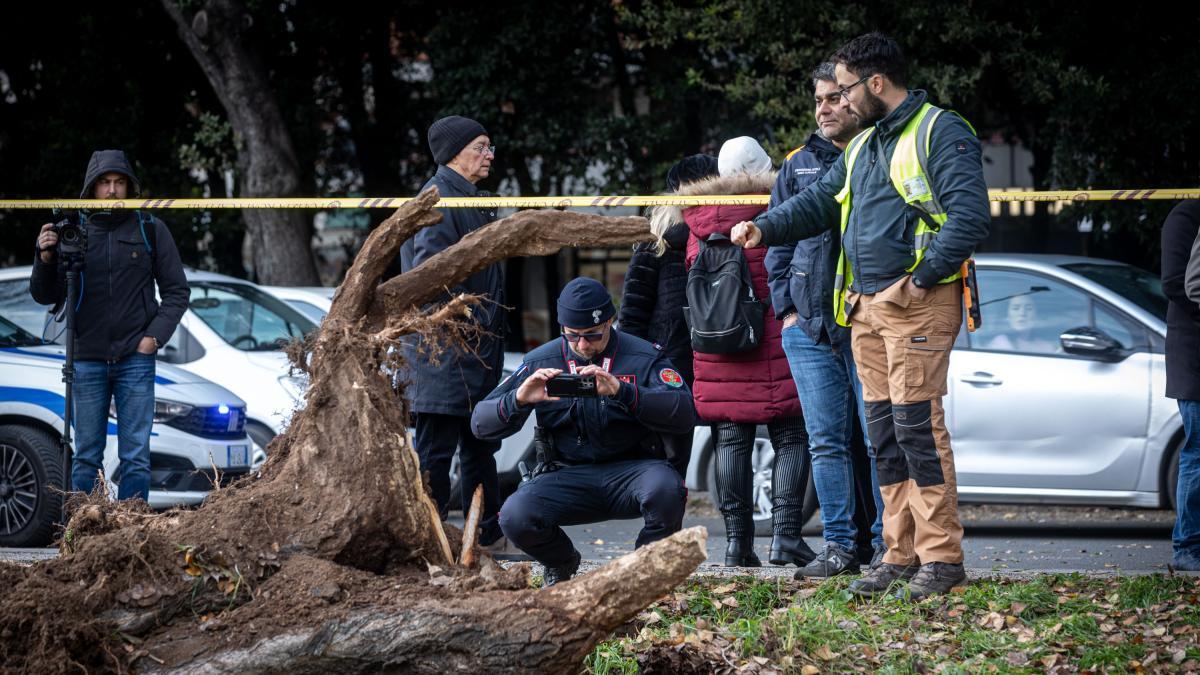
{"x":738,"y":392}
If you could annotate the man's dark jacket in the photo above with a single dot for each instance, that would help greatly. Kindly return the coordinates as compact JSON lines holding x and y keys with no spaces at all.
{"x":459,"y":380}
{"x":1183,"y":316}
{"x":117,"y":307}
{"x":654,"y":296}
{"x":879,"y":236}
{"x":801,"y":274}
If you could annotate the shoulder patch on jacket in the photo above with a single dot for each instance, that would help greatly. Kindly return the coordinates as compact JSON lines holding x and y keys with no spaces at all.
{"x":670,"y":378}
{"x":789,"y":155}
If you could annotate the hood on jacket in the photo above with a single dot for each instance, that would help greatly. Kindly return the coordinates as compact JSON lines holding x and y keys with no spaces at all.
{"x":741,"y":184}
{"x":104,"y":161}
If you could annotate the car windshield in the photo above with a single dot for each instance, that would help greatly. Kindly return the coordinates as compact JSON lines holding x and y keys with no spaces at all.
{"x":12,"y":335}
{"x":1135,"y":285}
{"x":314,"y":313}
{"x":245,"y":317}
{"x":18,"y":306}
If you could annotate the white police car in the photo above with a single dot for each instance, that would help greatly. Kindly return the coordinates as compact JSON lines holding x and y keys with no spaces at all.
{"x":232,"y":334}
{"x":198,"y":426}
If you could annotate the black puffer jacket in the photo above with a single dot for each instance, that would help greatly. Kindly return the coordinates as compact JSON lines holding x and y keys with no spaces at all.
{"x":652,"y":304}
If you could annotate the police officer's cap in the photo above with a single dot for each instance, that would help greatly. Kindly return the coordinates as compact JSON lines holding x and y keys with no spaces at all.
{"x":584,"y":303}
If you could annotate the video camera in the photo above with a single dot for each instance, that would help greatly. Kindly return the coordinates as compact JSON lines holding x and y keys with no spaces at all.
{"x":72,"y":235}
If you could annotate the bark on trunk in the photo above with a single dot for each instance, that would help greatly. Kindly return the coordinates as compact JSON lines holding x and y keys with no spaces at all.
{"x":216,"y":34}
{"x":334,"y":558}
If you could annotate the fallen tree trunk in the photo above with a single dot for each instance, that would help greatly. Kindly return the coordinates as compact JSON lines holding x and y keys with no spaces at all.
{"x":334,"y":556}
{"x":501,"y":631}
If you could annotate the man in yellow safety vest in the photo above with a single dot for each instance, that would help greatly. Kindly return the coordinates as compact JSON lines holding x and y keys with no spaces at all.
{"x":911,"y":204}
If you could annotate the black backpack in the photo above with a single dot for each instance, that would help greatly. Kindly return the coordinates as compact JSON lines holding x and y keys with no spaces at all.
{"x":722,"y":312}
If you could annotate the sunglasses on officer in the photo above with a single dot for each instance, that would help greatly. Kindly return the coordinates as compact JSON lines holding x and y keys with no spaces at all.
{"x":589,"y":337}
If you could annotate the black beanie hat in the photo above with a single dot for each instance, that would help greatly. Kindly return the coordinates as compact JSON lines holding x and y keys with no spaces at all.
{"x":689,"y":169}
{"x":449,"y":135}
{"x":584,"y":303}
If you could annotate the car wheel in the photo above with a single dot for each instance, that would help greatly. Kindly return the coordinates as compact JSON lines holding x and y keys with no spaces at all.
{"x":762,"y":463}
{"x":30,"y":471}
{"x":260,"y":433}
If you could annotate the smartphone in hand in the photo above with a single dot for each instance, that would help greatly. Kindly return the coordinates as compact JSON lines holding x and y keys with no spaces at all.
{"x":571,"y":386}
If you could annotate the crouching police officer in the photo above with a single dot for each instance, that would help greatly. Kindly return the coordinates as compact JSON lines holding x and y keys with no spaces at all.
{"x":599,"y":456}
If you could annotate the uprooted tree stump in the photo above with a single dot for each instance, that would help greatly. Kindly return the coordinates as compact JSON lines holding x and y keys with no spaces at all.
{"x":333,"y":557}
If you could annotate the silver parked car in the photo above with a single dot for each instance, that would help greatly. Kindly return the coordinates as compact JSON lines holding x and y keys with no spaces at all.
{"x":1057,"y":398}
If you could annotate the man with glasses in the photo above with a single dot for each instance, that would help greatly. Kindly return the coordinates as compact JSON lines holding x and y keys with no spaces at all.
{"x":603,"y":455}
{"x":818,"y":351}
{"x":443,"y":392}
{"x":911,"y":204}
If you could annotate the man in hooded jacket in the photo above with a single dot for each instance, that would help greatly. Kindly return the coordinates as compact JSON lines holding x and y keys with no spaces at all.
{"x":119,"y":323}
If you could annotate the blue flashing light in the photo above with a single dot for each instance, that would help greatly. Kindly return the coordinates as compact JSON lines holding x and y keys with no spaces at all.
{"x":223,"y":409}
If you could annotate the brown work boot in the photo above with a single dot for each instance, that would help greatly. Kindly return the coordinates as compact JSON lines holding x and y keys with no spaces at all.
{"x":879,"y":578}
{"x":933,"y":579}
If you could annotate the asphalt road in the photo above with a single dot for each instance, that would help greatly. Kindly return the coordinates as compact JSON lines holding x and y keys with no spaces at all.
{"x":998,"y":539}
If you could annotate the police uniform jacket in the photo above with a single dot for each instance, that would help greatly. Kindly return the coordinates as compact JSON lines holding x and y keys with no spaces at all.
{"x":652,"y":399}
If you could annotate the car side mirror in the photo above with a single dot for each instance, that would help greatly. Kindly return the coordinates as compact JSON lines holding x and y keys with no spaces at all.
{"x":1090,"y":342}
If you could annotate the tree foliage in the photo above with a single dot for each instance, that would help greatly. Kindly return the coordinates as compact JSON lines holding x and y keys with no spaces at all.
{"x":595,"y":96}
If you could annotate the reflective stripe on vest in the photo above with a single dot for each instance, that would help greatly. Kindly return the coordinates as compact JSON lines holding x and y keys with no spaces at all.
{"x":909,"y":177}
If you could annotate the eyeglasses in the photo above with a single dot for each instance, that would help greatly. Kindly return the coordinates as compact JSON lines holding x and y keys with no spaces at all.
{"x":845,"y":91}
{"x":485,"y":149}
{"x":590,"y":337}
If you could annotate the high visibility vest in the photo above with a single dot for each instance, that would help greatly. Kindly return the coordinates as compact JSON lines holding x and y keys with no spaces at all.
{"x":911,"y":180}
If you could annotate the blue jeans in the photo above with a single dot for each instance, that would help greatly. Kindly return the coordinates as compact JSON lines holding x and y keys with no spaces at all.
{"x":830,"y":394}
{"x":131,"y":382}
{"x":1186,"y":537}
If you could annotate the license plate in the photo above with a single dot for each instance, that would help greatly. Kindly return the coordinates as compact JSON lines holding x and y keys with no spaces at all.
{"x":239,"y":455}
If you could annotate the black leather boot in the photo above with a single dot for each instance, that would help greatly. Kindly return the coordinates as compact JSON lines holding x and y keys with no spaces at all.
{"x":740,"y":553}
{"x":790,"y":550}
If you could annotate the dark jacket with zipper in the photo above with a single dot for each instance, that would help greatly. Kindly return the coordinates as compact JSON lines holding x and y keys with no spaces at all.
{"x":801,"y":274}
{"x":879,"y":235}
{"x":125,"y":258}
{"x":653,"y":300}
{"x":459,"y":379}
{"x":1183,"y":315}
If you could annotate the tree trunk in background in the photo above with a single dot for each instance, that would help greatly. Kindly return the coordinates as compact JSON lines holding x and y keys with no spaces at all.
{"x":215,"y":32}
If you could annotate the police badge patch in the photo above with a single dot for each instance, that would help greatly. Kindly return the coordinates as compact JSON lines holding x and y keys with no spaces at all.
{"x":670,"y":378}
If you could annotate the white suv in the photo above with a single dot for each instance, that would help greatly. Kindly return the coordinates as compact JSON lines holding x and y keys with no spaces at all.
{"x":198,"y":428}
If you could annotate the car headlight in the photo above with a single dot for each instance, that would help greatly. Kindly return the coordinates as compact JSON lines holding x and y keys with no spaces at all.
{"x":294,"y":385}
{"x":164,"y":411}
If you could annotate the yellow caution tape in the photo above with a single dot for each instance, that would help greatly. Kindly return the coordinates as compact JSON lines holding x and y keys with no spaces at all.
{"x":325,"y":203}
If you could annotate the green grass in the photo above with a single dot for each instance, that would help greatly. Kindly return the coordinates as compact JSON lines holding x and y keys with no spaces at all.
{"x":1069,"y":622}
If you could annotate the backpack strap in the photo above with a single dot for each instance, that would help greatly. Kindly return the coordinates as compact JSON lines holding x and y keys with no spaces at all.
{"x":151,"y":242}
